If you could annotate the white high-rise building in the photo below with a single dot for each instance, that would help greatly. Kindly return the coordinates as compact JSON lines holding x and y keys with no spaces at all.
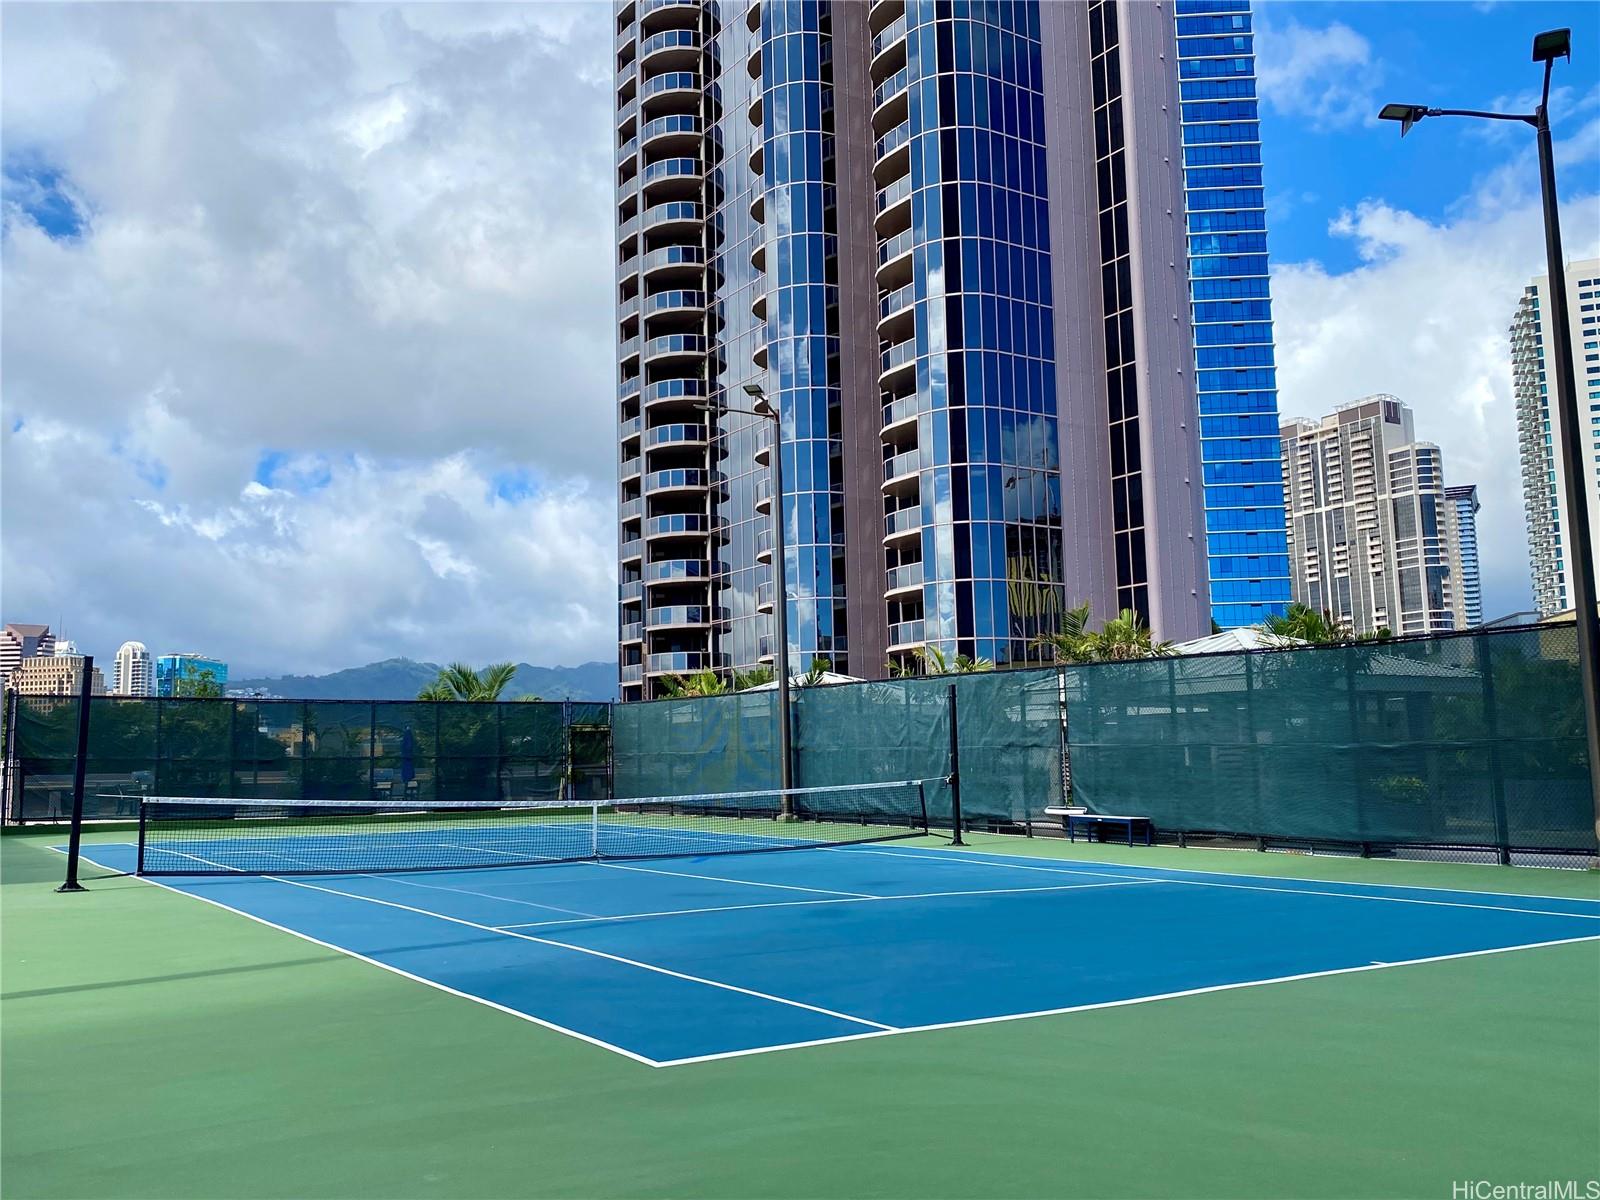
{"x":135,"y":671}
{"x":1539,"y":438}
{"x":1368,"y":542}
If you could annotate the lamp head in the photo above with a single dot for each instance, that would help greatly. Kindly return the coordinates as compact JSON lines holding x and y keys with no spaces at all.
{"x":1552,"y":44}
{"x":753,"y":390}
{"x":1407,"y":114}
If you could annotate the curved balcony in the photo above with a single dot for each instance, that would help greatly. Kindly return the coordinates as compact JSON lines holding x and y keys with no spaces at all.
{"x":673,"y":263}
{"x":882,"y":12}
{"x":759,"y":355}
{"x":892,"y":156}
{"x":679,"y":479}
{"x":630,"y":591}
{"x":675,"y":662}
{"x":670,"y":49}
{"x":900,"y":418}
{"x":894,"y":208}
{"x":632,"y":673}
{"x":677,"y":132}
{"x":674,"y":393}
{"x":630,"y":468}
{"x":628,"y":389}
{"x":678,"y":570}
{"x":628,"y":351}
{"x":668,"y":14}
{"x":906,"y":634}
{"x":659,"y":304}
{"x":674,"y":92}
{"x":688,"y":348}
{"x":755,"y":110}
{"x":889,"y":48}
{"x":631,"y":550}
{"x":896,"y":362}
{"x":752,"y":64}
{"x":758,"y":305}
{"x":630,"y":429}
{"x":674,"y":217}
{"x":888,"y":101}
{"x":897,"y":314}
{"x":758,"y":207}
{"x":661,"y":437}
{"x":902,"y":468}
{"x":752,"y":16}
{"x":683,"y":616}
{"x":629,"y":510}
{"x":671,"y":525}
{"x":764,"y":544}
{"x":758,"y":256}
{"x":764,"y":593}
{"x":764,"y":494}
{"x":894,"y":260}
{"x":903,"y":578}
{"x":673,"y":179}
{"x":626,"y":152}
{"x":902,"y":523}
{"x":758,"y":158}
{"x":631,"y":631}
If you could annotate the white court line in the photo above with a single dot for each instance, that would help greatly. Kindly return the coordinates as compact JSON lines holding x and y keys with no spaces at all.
{"x":1077,"y":1008}
{"x":883,"y":1031}
{"x":630,"y":962}
{"x":1251,"y":887}
{"x":393,"y":970}
{"x":683,"y":912}
{"x":971,"y":855}
{"x":787,"y":887}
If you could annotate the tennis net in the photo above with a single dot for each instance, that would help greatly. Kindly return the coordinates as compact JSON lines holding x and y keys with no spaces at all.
{"x":207,"y":836}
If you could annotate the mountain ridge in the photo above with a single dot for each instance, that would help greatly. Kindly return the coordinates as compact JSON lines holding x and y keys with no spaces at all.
{"x":403,"y":678}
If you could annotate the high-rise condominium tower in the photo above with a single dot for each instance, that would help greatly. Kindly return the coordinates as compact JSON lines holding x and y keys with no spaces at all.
{"x":1368,"y":536}
{"x":1539,"y":434}
{"x":135,"y":671}
{"x":1461,"y":513}
{"x":19,"y":641}
{"x":1235,"y":374}
{"x":946,"y":240}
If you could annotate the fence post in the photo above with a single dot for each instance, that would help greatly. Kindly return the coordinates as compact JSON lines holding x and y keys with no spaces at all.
{"x":1064,"y":737}
{"x":1497,"y":777}
{"x":955,"y":772}
{"x":569,"y":791}
{"x":8,"y":706}
{"x":80,"y":766}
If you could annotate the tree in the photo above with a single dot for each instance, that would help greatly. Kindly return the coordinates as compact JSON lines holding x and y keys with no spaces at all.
{"x":701,"y":683}
{"x":197,"y":685}
{"x":459,"y":681}
{"x":1305,"y":624}
{"x":743,"y":681}
{"x":936,"y":662}
{"x":813,"y":676}
{"x":1066,"y":644}
{"x":1123,"y":638}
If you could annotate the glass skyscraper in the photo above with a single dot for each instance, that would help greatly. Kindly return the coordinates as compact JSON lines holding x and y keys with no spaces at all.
{"x":1246,"y":542}
{"x":940,"y":237}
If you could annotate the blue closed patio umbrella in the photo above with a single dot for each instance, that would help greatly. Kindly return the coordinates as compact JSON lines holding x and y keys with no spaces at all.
{"x":408,"y":757}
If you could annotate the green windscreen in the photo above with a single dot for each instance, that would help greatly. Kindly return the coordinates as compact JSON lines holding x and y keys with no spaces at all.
{"x":1469,"y":741}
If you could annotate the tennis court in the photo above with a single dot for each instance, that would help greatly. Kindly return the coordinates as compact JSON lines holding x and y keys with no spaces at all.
{"x":682,"y":959}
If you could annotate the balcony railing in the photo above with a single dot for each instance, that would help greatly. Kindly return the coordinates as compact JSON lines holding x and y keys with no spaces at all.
{"x":674,"y":435}
{"x":898,"y":355}
{"x":893,"y":194}
{"x":893,"y":140}
{"x":895,"y":246}
{"x":682,"y":614}
{"x":902,"y":464}
{"x":906,"y":633}
{"x":674,"y":256}
{"x":628,"y":388}
{"x":675,"y":124}
{"x":632,"y":549}
{"x":891,"y":34}
{"x":675,"y":168}
{"x":629,"y":510}
{"x":678,"y":477}
{"x":674,"y":389}
{"x":675,"y":343}
{"x":901,"y":297}
{"x":889,"y":88}
{"x":677,"y":661}
{"x":674,"y":212}
{"x":662,"y":301}
{"x":632,"y":631}
{"x":672,"y":81}
{"x":676,"y":524}
{"x":909,"y":575}
{"x":678,"y":568}
{"x":902,"y":520}
{"x":632,"y":672}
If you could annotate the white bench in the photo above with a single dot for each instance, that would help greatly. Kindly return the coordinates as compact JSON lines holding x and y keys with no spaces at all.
{"x":1073,"y":818}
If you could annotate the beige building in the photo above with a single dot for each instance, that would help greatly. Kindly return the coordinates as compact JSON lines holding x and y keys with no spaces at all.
{"x":58,"y":675}
{"x":1370,"y":538}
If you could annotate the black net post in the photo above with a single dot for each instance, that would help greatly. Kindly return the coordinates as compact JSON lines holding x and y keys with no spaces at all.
{"x":8,"y":730}
{"x":139,"y":869}
{"x":80,"y":765}
{"x":955,"y":772}
{"x":568,"y":790}
{"x":1497,"y":775}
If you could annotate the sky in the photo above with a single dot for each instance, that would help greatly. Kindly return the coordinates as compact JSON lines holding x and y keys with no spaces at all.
{"x":306,"y":309}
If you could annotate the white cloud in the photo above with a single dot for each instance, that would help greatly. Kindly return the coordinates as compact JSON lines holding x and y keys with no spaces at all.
{"x":1327,"y":75}
{"x":370,"y":245}
{"x":1425,"y":318}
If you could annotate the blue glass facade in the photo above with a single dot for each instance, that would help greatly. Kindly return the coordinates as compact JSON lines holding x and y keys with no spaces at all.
{"x":972,"y":491}
{"x":1236,"y":378}
{"x":177,"y":672}
{"x":799,"y":301}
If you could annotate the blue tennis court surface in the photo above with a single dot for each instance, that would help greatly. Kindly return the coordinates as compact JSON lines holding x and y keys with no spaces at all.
{"x":677,"y":960}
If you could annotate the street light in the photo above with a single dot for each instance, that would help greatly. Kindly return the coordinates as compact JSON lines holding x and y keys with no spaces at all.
{"x":765,"y":409}
{"x":1547,"y":47}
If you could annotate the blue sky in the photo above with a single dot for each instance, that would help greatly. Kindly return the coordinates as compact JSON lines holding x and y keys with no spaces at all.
{"x":1445,"y":55}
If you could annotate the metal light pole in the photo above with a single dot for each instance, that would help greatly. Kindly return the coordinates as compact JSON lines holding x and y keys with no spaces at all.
{"x":765,"y":409}
{"x":1547,"y":47}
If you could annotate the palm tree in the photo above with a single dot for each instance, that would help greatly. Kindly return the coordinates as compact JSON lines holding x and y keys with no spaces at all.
{"x":701,"y":683}
{"x":1066,"y":644}
{"x":1123,"y":638}
{"x":459,"y":681}
{"x":819,"y":668}
{"x":1305,"y":624}
{"x":936,"y":662}
{"x":754,"y":677}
